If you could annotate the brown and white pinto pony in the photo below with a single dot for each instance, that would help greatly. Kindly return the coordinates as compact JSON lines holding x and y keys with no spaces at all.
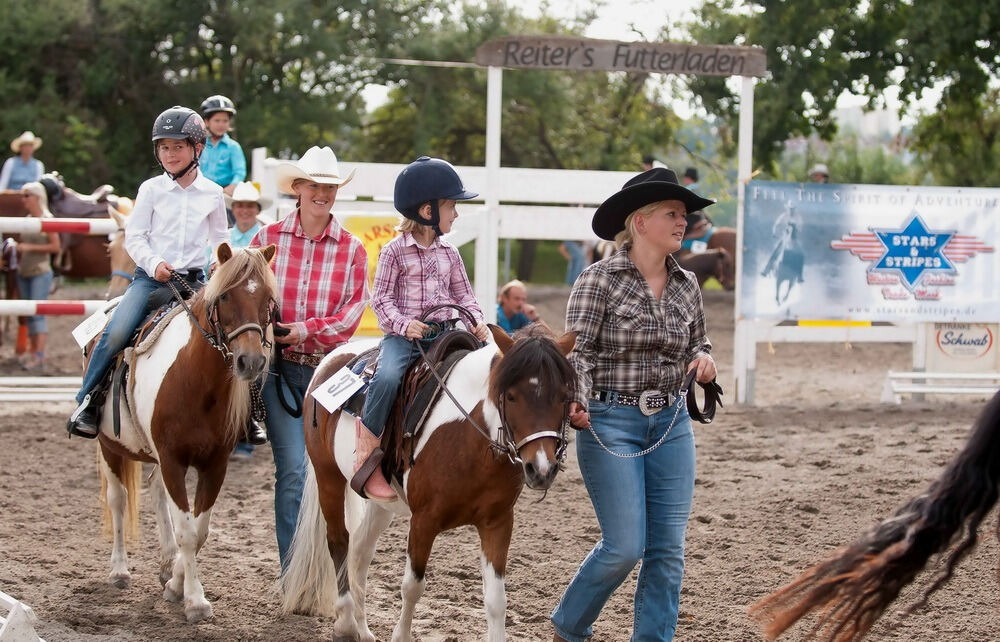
{"x":518,"y":390}
{"x":717,"y":263}
{"x":191,"y":404}
{"x":849,"y":591}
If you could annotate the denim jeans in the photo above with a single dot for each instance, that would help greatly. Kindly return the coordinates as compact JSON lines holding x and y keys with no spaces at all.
{"x":35,"y":288}
{"x":288,"y":446}
{"x":396,"y":353}
{"x":576,"y":261}
{"x":125,"y":318}
{"x":642,"y":505}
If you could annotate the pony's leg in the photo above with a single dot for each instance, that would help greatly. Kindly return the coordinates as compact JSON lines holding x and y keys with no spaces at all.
{"x":495,"y":540}
{"x":116,"y":497}
{"x":418,"y":551}
{"x":164,"y":526}
{"x":374,"y":521}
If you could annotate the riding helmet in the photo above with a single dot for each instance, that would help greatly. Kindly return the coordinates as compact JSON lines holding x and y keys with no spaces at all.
{"x":179,"y":123}
{"x":216,"y":103}
{"x":427,"y":180}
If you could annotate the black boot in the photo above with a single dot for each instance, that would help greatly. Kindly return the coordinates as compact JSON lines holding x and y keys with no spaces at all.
{"x":255,"y":433}
{"x":83,"y":421}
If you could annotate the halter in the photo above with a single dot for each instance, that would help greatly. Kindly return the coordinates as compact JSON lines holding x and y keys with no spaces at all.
{"x":504,"y":444}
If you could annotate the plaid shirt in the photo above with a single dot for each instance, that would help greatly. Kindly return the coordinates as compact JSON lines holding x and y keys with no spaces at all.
{"x":322,"y":281}
{"x":627,"y":342}
{"x":410,"y":279}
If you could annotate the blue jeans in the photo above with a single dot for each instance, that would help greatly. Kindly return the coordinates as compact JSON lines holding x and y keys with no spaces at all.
{"x":288,"y":446}
{"x":642,"y":505}
{"x":125,"y":318}
{"x":576,"y":261}
{"x":35,"y":288}
{"x":395,"y":355}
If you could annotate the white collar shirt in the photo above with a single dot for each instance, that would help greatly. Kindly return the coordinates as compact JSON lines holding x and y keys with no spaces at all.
{"x":173,"y":224}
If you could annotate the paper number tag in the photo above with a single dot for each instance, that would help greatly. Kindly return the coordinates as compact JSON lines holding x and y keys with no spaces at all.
{"x":699,"y":247}
{"x":336,"y":390}
{"x":90,"y":328}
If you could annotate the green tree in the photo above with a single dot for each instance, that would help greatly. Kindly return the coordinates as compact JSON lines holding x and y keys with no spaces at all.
{"x":960,"y":142}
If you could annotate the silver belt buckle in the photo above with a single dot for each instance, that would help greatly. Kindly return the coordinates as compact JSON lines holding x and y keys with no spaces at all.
{"x":644,"y":402}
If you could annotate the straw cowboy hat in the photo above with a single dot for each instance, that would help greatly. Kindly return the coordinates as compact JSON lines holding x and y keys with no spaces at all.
{"x":651,"y":186}
{"x":318,"y":164}
{"x":246,"y":192}
{"x":27,"y":138}
{"x":819,"y":168}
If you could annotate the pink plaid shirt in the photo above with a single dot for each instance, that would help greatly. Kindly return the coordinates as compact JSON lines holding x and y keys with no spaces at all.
{"x":322,"y":281}
{"x":410,"y":279}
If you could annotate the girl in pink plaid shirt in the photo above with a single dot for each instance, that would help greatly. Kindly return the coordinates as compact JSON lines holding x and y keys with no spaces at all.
{"x":416,"y":271}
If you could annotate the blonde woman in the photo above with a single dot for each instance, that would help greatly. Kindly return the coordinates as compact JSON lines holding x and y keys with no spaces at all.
{"x":34,"y":271}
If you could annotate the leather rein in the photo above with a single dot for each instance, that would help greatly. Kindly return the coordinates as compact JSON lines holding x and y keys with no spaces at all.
{"x":504,"y":444}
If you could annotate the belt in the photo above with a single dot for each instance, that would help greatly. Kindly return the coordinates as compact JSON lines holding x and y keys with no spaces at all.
{"x":310,"y":359}
{"x":649,"y":402}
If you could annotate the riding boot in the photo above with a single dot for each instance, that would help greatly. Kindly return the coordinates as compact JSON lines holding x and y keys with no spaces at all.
{"x":254,"y":432}
{"x":367,"y":460}
{"x":83,"y":421}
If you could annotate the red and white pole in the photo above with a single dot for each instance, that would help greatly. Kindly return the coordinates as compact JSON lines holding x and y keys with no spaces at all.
{"x":35,"y":225}
{"x":24,"y":308}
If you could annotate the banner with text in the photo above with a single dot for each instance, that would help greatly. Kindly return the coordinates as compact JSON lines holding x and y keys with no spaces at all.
{"x":870,"y":252}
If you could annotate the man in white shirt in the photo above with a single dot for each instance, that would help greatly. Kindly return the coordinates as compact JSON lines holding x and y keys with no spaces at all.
{"x":175,"y":215}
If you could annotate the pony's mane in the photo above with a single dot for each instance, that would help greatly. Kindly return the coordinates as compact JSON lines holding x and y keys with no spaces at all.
{"x":534,"y":354}
{"x":244,"y":264}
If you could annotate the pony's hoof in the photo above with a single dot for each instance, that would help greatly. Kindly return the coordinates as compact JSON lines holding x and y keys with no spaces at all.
{"x":170,"y":595}
{"x":165,"y":575}
{"x":120,"y":580}
{"x":198,"y":612}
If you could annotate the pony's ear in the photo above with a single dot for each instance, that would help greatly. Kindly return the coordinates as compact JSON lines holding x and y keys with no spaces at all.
{"x":268,"y":252}
{"x":504,"y":342}
{"x":118,"y":218}
{"x":566,"y":342}
{"x":225,"y":252}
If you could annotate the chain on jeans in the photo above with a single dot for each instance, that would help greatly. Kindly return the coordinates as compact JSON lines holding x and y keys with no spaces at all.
{"x":679,"y":403}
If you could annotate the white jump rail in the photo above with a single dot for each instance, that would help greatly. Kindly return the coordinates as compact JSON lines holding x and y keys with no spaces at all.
{"x":24,"y":307}
{"x":35,"y":389}
{"x":941,"y":383}
{"x":17,"y":625}
{"x":33,"y":225}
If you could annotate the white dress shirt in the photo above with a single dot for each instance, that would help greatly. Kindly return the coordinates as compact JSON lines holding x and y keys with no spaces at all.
{"x":172,"y":223}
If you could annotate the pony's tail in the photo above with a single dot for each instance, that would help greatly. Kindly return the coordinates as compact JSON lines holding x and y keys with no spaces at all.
{"x":131,"y":479}
{"x":309,"y":584}
{"x":853,"y":588}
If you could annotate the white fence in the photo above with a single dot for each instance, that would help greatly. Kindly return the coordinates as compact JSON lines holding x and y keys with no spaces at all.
{"x":16,"y":621}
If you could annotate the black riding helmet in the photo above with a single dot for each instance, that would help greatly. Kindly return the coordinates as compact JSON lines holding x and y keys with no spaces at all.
{"x":216,"y":103}
{"x":428,"y":180}
{"x":179,"y":123}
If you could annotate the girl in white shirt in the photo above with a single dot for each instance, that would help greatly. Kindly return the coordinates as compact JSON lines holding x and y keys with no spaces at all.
{"x":176,"y":214}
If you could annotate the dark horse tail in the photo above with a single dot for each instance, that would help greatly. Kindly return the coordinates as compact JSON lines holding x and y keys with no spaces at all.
{"x":853,"y":588}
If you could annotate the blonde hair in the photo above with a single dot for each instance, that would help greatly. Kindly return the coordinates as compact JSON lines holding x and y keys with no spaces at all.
{"x":406,"y":225}
{"x":37,"y":189}
{"x":516,"y":283}
{"x":628,"y":234}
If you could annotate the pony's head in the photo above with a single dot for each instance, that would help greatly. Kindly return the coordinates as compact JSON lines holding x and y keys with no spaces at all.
{"x":725,"y":270}
{"x":122,"y":265}
{"x":532,"y":383}
{"x":239,"y":300}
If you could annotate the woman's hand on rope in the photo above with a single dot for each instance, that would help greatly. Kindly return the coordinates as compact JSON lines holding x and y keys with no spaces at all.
{"x":481,"y":331}
{"x":416,"y":329}
{"x":579,"y":418}
{"x":291,"y":337}
{"x":705,"y":368}
{"x":163,"y":272}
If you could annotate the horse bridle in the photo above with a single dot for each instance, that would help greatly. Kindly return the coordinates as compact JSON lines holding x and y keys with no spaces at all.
{"x":218,"y":338}
{"x":505,"y":445}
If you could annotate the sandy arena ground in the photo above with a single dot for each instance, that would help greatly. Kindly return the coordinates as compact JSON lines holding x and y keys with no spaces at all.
{"x":779,"y":486}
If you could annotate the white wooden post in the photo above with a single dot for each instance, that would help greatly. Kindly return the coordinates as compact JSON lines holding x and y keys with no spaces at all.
{"x":487,"y":247}
{"x":744,"y":339}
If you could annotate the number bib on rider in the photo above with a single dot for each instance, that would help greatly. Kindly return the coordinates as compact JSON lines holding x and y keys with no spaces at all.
{"x":699,"y":247}
{"x":336,"y":390}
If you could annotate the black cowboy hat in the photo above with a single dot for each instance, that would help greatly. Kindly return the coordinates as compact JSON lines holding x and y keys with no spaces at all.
{"x":657,"y":184}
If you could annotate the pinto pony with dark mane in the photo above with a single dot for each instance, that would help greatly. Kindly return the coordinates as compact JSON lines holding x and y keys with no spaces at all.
{"x":500,"y":426}
{"x":188,"y":400}
{"x":850,"y":591}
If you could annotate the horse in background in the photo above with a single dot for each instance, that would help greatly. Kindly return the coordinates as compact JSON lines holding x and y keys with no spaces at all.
{"x":122,"y":265}
{"x":710,"y":263}
{"x":189,"y":397}
{"x":854,"y":587}
{"x":461,"y":473}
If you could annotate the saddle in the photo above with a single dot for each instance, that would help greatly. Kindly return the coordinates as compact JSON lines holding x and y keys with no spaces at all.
{"x":418,"y":392}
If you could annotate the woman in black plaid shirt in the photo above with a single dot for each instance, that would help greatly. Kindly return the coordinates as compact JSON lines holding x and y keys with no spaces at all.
{"x":641,"y":328}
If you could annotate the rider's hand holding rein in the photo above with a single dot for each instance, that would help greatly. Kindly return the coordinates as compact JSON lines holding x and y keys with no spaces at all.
{"x":416,"y":329}
{"x":163,"y":271}
{"x":481,"y":331}
{"x":706,"y":368}
{"x":292,"y":337}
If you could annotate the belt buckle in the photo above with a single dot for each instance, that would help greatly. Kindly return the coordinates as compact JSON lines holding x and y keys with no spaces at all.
{"x":644,"y":402}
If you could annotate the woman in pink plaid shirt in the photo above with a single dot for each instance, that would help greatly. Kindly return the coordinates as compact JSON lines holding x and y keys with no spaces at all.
{"x":321,"y":273}
{"x":416,"y":271}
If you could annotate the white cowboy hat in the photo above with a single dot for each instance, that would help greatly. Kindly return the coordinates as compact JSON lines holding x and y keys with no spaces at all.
{"x":318,"y":164}
{"x":27,"y":138}
{"x":246,"y":192}
{"x":819,"y":168}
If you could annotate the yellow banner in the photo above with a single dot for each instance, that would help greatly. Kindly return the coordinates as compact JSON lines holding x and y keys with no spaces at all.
{"x":373,"y":232}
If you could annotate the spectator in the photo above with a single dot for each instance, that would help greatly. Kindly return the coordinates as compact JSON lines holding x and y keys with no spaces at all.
{"x":649,"y":162}
{"x":572,"y":251}
{"x":23,"y":168}
{"x":34,"y":271}
{"x":690,"y":179}
{"x":819,"y":173}
{"x":223,"y":160}
{"x":513,"y":311}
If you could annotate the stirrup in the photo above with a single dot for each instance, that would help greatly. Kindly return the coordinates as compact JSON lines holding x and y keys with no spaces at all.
{"x":365,"y":472}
